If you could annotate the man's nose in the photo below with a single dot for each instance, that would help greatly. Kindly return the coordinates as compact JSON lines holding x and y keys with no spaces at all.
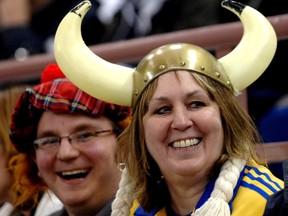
{"x":66,"y":150}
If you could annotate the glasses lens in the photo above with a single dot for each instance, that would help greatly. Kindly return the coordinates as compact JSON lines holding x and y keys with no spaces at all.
{"x":83,"y":136}
{"x":47,"y":142}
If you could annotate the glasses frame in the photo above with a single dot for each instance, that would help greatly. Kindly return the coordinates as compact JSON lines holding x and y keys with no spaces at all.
{"x":39,"y":143}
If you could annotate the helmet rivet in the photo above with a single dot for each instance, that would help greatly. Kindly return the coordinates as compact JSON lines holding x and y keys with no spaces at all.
{"x":145,"y":78}
{"x":162,"y":67}
{"x":202,"y":67}
{"x":136,"y":92}
{"x":217,"y":74}
{"x":182,"y":63}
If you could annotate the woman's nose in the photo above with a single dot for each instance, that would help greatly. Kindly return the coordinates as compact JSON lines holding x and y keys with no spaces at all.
{"x":181,"y":119}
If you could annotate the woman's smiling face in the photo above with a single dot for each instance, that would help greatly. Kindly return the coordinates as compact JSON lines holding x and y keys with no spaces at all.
{"x":182,"y":127}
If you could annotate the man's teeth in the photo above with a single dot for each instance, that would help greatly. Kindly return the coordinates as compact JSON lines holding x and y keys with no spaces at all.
{"x":186,"y":143}
{"x":74,"y":172}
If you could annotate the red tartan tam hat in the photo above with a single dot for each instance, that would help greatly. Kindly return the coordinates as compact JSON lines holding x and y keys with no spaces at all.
{"x":59,"y":95}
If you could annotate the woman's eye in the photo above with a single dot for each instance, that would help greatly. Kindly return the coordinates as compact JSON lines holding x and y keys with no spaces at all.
{"x":196,"y":104}
{"x":162,"y":110}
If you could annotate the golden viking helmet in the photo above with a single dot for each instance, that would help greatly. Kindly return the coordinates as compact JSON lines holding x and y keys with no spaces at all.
{"x":177,"y":56}
{"x":123,"y":85}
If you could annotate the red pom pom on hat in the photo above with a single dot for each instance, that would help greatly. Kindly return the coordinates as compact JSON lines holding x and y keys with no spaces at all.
{"x":51,"y":72}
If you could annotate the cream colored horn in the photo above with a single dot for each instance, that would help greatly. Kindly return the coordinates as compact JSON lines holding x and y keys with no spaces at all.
{"x":101,"y":79}
{"x":254,"y":52}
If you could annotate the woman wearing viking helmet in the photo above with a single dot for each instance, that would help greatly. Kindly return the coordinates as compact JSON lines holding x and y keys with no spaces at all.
{"x":190,"y":148}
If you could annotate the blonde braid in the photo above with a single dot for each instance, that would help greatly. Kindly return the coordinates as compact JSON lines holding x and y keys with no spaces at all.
{"x":123,"y":201}
{"x":217,"y":204}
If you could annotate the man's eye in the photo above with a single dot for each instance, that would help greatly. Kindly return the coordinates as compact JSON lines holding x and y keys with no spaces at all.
{"x":86,"y":135}
{"x":49,"y":141}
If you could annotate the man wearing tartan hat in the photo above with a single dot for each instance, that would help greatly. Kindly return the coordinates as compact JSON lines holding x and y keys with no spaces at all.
{"x":67,"y":140}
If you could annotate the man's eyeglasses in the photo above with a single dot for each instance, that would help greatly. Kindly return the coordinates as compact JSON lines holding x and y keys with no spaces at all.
{"x":76,"y":139}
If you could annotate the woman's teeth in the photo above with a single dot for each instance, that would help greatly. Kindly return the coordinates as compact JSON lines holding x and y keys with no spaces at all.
{"x":186,"y":143}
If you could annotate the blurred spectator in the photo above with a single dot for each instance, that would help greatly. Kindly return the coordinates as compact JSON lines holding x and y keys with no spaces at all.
{"x":273,"y":127}
{"x":16,"y":34}
{"x":28,"y":27}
